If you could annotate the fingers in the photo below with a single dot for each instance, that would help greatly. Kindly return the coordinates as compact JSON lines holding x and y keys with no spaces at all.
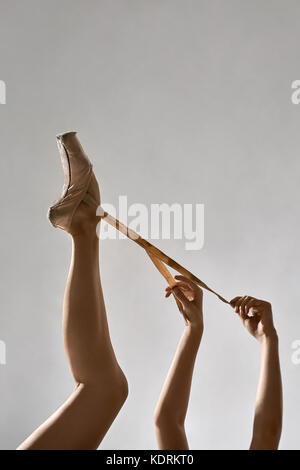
{"x":243,"y":305}
{"x":187,"y":281}
{"x":185,"y":289}
{"x":251,"y":304}
{"x":179,"y":295}
{"x":238,"y":307}
{"x":192,"y":286}
{"x":188,"y":292}
{"x":234,"y":301}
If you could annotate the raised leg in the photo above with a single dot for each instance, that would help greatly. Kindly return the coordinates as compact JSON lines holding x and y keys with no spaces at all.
{"x":101,"y":387}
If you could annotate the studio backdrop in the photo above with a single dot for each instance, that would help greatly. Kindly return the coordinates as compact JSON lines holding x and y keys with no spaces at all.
{"x":189,"y":103}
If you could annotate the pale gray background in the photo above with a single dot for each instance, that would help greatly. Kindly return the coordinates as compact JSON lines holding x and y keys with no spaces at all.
{"x":176,"y":101}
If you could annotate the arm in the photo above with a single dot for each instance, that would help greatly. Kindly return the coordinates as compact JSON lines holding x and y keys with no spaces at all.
{"x":268,"y":408}
{"x":174,"y":398}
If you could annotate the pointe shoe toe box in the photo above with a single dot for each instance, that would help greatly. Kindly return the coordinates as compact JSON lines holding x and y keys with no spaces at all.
{"x":78,"y":173}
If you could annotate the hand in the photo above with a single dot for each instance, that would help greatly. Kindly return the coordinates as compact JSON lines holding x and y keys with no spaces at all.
{"x":256,"y":316}
{"x":189,"y":300}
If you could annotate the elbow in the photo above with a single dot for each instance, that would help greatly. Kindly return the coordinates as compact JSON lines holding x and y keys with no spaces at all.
{"x":165,"y":419}
{"x":160,"y":418}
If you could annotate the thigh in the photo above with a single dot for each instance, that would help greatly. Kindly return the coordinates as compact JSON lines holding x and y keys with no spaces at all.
{"x":80,"y":423}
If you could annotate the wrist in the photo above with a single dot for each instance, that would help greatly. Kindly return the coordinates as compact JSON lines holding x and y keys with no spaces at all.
{"x":195,"y":328}
{"x":269,"y":336}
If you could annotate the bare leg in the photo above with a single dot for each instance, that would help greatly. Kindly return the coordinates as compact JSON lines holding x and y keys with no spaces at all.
{"x":101,"y":387}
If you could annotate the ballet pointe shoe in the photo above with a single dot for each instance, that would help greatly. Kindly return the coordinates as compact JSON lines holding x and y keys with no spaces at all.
{"x":80,"y":184}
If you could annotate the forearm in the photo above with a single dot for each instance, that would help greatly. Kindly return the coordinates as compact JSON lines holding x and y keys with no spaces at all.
{"x":173,"y":402}
{"x":268,"y":410}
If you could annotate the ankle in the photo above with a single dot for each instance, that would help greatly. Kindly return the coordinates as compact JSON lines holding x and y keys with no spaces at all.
{"x":88,"y":236}
{"x":84,"y":222}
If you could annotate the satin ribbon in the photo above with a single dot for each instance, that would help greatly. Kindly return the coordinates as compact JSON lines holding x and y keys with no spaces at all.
{"x":157,"y":256}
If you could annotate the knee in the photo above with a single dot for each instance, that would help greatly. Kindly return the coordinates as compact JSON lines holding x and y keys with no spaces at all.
{"x":165,"y":417}
{"x":111,"y":389}
{"x":117,"y":390}
{"x":121,"y":389}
